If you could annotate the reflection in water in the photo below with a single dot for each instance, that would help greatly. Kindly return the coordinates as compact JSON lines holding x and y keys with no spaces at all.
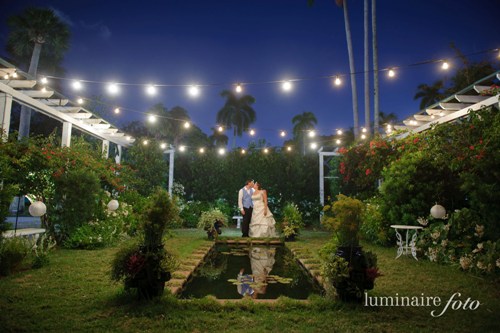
{"x":261,"y":261}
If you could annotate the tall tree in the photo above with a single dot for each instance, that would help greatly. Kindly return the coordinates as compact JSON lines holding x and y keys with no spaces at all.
{"x":429,"y":95}
{"x":303,"y":123}
{"x":367,"y":66}
{"x":376,"y":120}
{"x":218,"y":138}
{"x":352,"y":69}
{"x":30,"y":30}
{"x":237,"y":113}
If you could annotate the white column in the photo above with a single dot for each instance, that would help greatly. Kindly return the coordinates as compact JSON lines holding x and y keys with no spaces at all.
{"x":171,"y":171}
{"x":66,"y":134}
{"x":321,"y":180}
{"x":5,"y":108}
{"x":118,"y":157}
{"x":105,"y":148}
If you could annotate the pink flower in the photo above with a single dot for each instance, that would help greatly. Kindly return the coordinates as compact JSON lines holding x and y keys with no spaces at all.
{"x":368,"y":171}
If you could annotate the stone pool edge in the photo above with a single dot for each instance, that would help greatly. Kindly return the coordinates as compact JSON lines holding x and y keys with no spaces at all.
{"x":181,"y":276}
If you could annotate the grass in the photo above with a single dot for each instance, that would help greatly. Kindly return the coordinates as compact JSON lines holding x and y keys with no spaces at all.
{"x":74,"y":293}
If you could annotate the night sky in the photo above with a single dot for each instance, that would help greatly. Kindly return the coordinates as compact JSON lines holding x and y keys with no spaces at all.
{"x":224,"y":42}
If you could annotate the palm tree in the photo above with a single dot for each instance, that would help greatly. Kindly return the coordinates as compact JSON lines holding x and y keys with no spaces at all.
{"x":376,"y":120}
{"x":343,"y":4}
{"x":237,"y":113}
{"x":388,"y":118}
{"x":367,"y":67}
{"x":301,"y":124}
{"x":31,"y":30}
{"x":218,"y":138}
{"x":429,"y":94}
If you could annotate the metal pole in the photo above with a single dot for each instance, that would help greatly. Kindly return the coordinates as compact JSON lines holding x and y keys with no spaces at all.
{"x":171,"y":151}
{"x":321,"y":178}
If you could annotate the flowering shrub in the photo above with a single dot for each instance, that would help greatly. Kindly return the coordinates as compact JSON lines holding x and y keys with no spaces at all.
{"x":211,"y":221}
{"x":344,"y":218}
{"x":292,"y":221}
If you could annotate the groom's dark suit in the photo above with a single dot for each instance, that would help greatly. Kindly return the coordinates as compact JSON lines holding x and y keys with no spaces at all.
{"x":245,"y":203}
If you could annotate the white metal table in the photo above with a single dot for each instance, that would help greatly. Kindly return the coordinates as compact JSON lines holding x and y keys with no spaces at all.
{"x":403,"y":245}
{"x":238,"y":221}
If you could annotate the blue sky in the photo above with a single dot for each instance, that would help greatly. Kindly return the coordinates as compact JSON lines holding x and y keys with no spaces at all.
{"x":205,"y":42}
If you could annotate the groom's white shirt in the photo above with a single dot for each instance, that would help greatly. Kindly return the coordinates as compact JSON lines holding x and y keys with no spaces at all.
{"x":240,"y":196}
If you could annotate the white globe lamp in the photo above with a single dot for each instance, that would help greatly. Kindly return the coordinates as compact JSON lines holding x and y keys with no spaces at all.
{"x":113,"y":205}
{"x":37,"y":209}
{"x":438,"y":211}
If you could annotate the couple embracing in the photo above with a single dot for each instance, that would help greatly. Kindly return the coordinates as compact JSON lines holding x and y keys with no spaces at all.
{"x":258,"y":221}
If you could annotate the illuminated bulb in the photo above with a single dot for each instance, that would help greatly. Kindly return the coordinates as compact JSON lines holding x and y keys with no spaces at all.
{"x":289,"y":148}
{"x":182,"y":148}
{"x":445,"y":65}
{"x":128,"y":138}
{"x":338,"y":81}
{"x":441,"y":114}
{"x":163,"y":146}
{"x":413,"y":122}
{"x":44,"y":80}
{"x":77,"y":85}
{"x":6,"y":76}
{"x":363,"y":136}
{"x":391,"y":73}
{"x":312,"y":134}
{"x":282,"y":134}
{"x":202,"y":150}
{"x":339,"y":132}
{"x":433,"y":116}
{"x":287,"y":86}
{"x":194,"y":91}
{"x":363,"y":130}
{"x":389,"y":126}
{"x":222,"y":151}
{"x":243,"y":151}
{"x":113,"y":88}
{"x":116,"y":110}
{"x":266,"y":150}
{"x":79,"y":101}
{"x":314,"y":145}
{"x":43,"y":89}
{"x":152,"y":118}
{"x":338,"y":141}
{"x":187,"y":124}
{"x":252,"y":132}
{"x":220,"y":129}
{"x":151,"y":90}
{"x":239,"y":88}
{"x":145,"y":142}
{"x":14,"y":75}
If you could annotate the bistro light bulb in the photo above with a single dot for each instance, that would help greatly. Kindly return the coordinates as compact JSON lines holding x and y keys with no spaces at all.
{"x":6,"y":77}
{"x":363,"y":136}
{"x":113,"y":88}
{"x":238,"y":88}
{"x":77,"y":85}
{"x":282,"y":134}
{"x":202,"y":150}
{"x":363,"y":130}
{"x":14,"y":75}
{"x":252,"y":132}
{"x":152,"y":118}
{"x":79,"y":101}
{"x":182,"y":148}
{"x":312,"y":134}
{"x":391,"y":73}
{"x":338,"y":141}
{"x":222,"y":151}
{"x":339,"y":132}
{"x":163,"y":146}
{"x":289,"y":148}
{"x":287,"y":86}
{"x":266,"y":150}
{"x":117,"y":110}
{"x":187,"y":124}
{"x":145,"y":142}
{"x":220,"y":129}
{"x":337,"y":81}
{"x":194,"y":91}
{"x":151,"y":90}
{"x":243,"y":151}
{"x":314,"y":145}
{"x":44,"y":80}
{"x":445,"y":65}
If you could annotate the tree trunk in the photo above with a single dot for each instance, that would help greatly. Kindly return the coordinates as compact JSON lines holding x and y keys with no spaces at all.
{"x":367,"y":69}
{"x":376,"y":112}
{"x":25,"y":119}
{"x":352,"y":70}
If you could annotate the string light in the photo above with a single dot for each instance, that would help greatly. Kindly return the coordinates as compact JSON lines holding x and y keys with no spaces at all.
{"x":117,"y":110}
{"x":194,"y":91}
{"x":145,"y":142}
{"x":445,"y":65}
{"x":6,"y":76}
{"x":77,"y":85}
{"x":314,"y":145}
{"x":43,"y":89}
{"x":363,"y":136}
{"x":238,"y":88}
{"x":289,"y":148}
{"x":337,"y":81}
{"x":339,"y":132}
{"x":391,"y":73}
{"x":363,"y":130}
{"x":163,"y":146}
{"x":286,"y":85}
{"x":14,"y":75}
{"x":220,"y":129}
{"x":79,"y":101}
{"x":266,"y":150}
{"x":252,"y":132}
{"x":338,"y":141}
{"x":151,"y":90}
{"x":182,"y":148}
{"x":282,"y":134}
{"x":312,"y":134}
{"x":113,"y":88}
{"x":202,"y":150}
{"x":222,"y":151}
{"x":243,"y":151}
{"x":187,"y":124}
{"x":44,"y":80}
{"x":152,"y":118}
{"x":128,"y":138}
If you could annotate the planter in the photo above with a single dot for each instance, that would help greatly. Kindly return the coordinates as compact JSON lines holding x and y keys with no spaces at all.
{"x":352,"y":289}
{"x":290,"y":238}
{"x":148,"y":288}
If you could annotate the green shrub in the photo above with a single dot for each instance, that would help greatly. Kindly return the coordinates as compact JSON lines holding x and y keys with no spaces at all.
{"x":211,"y":221}
{"x":374,"y":228}
{"x":292,"y":221}
{"x":344,"y":217}
{"x":12,"y":252}
{"x":191,"y":212}
{"x":41,"y":251}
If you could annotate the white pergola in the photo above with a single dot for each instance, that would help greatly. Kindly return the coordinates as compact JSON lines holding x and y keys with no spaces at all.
{"x":451,"y":108}
{"x":26,"y":90}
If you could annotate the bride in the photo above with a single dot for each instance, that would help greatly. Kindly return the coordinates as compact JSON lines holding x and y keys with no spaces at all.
{"x":262,"y":223}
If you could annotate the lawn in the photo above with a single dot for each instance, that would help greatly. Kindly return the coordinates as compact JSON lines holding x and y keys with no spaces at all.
{"x":74,"y":293}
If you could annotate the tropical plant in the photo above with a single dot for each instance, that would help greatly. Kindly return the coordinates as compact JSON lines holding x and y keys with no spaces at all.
{"x":12,"y":252}
{"x":292,"y":221}
{"x":429,"y":95}
{"x":302,"y":123}
{"x":30,"y":30}
{"x":344,"y":217}
{"x":237,"y":113}
{"x":211,"y":221}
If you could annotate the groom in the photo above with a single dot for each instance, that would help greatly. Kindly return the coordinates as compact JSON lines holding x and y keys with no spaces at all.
{"x":245,"y":205}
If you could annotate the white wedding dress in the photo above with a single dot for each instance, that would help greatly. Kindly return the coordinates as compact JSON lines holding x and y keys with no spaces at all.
{"x":261,"y":225}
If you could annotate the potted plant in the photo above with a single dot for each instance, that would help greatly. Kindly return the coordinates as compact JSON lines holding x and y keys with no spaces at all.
{"x":146,"y":265}
{"x":292,"y":221}
{"x":212,"y":221}
{"x":350,"y":270}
